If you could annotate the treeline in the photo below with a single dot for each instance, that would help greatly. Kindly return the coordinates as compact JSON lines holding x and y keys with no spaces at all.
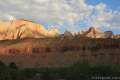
{"x":81,"y":70}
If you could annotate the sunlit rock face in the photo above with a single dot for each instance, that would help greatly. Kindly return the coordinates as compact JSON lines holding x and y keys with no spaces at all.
{"x":93,"y":32}
{"x":23,"y":28}
{"x":52,"y":32}
{"x":108,"y":34}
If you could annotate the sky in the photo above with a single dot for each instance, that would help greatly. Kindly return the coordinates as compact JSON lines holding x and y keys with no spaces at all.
{"x":71,"y":15}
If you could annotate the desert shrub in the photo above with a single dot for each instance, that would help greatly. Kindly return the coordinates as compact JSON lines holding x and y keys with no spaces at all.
{"x":4,"y":71}
{"x":2,"y":65}
{"x":12,"y":65}
{"x":80,"y":70}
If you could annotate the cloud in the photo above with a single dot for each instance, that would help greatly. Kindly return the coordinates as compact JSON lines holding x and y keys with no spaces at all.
{"x":100,"y":16}
{"x":105,"y":17}
{"x":114,"y":22}
{"x":63,"y":12}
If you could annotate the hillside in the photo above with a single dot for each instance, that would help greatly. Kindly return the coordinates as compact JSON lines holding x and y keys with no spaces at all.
{"x":24,"y":28}
{"x":31,"y":52}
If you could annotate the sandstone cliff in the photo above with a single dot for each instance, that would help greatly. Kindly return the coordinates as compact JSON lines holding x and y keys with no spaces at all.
{"x":23,"y":28}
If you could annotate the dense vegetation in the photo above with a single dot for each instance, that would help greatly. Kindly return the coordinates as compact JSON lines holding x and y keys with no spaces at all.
{"x":81,"y":70}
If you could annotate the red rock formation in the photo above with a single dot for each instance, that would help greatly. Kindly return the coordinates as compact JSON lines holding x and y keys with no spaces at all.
{"x":93,"y":32}
{"x":23,"y":28}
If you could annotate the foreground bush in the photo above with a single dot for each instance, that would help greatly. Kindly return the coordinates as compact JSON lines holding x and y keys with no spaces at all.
{"x":80,"y":70}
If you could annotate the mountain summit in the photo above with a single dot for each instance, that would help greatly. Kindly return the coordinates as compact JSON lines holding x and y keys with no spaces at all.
{"x":94,"y":32}
{"x":24,"y":28}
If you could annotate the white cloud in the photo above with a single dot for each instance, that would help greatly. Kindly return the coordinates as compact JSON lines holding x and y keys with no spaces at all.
{"x":60,"y":11}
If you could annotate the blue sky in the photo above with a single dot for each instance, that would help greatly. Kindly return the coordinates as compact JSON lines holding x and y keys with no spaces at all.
{"x":112,"y":4}
{"x":72,"y":15}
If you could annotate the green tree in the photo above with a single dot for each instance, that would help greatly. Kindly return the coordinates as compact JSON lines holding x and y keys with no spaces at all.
{"x":12,"y":65}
